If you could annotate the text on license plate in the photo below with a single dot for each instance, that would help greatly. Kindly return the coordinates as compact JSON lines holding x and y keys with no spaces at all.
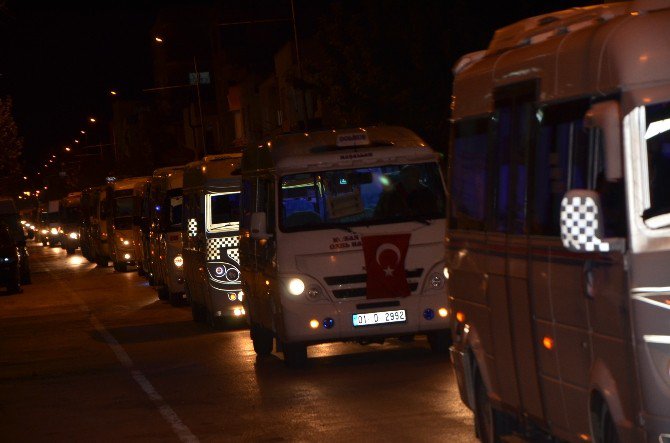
{"x":376,"y":318}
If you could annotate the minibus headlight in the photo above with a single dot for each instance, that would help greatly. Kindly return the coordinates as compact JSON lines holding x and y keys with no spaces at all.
{"x":54,"y":231}
{"x":178,"y":261}
{"x":296,"y":286}
{"x":44,"y":231}
{"x":436,"y":281}
{"x":73,"y":235}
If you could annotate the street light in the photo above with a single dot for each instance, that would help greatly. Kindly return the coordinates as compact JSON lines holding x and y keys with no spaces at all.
{"x":67,"y":149}
{"x":112,"y":92}
{"x":158,"y":39}
{"x":92,"y":120}
{"x":82,"y":132}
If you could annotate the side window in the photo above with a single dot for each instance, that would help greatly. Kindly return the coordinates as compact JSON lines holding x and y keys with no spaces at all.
{"x":467,"y":170}
{"x":561,"y":160}
{"x":513,"y":132}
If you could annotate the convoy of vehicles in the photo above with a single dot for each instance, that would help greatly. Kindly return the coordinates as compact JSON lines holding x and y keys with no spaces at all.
{"x":549,"y":289}
{"x":49,"y":226}
{"x":71,"y":221}
{"x":558,"y":241}
{"x":165,"y":239}
{"x":211,"y":218}
{"x":342,"y":240}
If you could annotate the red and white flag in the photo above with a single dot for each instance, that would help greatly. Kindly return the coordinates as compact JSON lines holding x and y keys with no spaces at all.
{"x":385,"y":265}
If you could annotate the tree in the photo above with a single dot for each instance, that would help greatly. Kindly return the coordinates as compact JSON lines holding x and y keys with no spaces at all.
{"x":11,"y":144}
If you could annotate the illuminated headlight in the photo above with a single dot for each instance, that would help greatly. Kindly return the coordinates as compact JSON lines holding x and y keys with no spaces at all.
{"x":5,"y":259}
{"x":296,"y":286}
{"x":54,"y":231}
{"x":126,"y":242}
{"x":238,"y":312}
{"x":436,"y":281}
{"x":44,"y":231}
{"x":240,"y":296}
{"x":178,"y":261}
{"x":73,"y":235}
{"x":445,"y":271}
{"x":126,"y":256}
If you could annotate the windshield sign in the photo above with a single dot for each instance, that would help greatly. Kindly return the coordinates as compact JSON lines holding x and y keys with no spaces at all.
{"x":361,"y":197}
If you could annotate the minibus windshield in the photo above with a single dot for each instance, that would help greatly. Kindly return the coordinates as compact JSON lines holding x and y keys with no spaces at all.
{"x":361,"y":197}
{"x":123,"y":212}
{"x":657,"y":138}
{"x":223,"y":211}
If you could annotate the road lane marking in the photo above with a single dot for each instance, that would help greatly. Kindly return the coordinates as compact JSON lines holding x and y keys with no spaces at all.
{"x":182,"y":431}
{"x":169,"y":415}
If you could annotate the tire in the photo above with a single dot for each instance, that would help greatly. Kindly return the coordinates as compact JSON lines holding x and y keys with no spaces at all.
{"x":439,"y":341}
{"x":162,"y":292}
{"x":14,"y":282}
{"x":608,"y":432}
{"x":197,"y":312}
{"x":216,"y":323}
{"x":120,"y":267}
{"x":262,"y":339}
{"x":490,"y":425}
{"x":101,"y":261}
{"x":295,"y":355}
{"x":176,"y":299}
{"x":483,"y":413}
{"x":70,"y":251}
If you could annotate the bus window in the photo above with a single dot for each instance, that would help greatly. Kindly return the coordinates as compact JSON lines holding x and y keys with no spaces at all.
{"x":468,"y":175}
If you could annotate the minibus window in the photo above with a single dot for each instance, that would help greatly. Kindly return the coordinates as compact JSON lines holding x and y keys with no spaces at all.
{"x":123,"y":212}
{"x":657,"y":137}
{"x":223,"y":211}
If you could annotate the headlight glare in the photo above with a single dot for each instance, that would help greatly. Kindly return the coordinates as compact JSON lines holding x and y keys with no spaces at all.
{"x":296,"y":286}
{"x":178,"y":261}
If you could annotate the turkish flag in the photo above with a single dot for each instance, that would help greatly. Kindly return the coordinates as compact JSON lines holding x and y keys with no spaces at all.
{"x":385,"y":265}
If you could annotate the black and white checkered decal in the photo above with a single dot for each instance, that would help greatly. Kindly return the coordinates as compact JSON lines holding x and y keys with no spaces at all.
{"x":215,"y":245}
{"x":192,"y":227}
{"x":581,"y":225}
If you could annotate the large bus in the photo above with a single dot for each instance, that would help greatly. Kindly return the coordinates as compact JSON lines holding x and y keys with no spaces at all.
{"x":100,"y":224}
{"x":342,"y":240}
{"x":166,"y":237}
{"x":558,"y":242}
{"x":141,"y":224}
{"x":211,"y":240}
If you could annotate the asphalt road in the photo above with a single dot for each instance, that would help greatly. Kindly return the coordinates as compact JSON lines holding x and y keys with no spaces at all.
{"x":89,"y":354}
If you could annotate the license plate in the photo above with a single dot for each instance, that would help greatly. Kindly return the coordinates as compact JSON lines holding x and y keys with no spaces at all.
{"x":378,"y":318}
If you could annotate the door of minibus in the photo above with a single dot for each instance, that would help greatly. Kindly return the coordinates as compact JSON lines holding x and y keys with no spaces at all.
{"x":509,"y":295}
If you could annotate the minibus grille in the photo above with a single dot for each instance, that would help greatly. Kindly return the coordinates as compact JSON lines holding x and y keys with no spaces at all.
{"x":362,"y":278}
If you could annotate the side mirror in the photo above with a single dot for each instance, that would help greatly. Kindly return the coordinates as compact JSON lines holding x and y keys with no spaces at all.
{"x":605,"y":115}
{"x":259,"y":226}
{"x":582,"y":223}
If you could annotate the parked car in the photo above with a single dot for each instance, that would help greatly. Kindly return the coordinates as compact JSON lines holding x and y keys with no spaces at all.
{"x":10,"y":262}
{"x":10,"y":218}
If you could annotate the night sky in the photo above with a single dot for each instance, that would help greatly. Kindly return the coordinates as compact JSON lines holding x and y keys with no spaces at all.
{"x":59,"y":60}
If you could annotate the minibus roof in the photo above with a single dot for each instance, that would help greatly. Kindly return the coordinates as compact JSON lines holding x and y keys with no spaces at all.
{"x":336,"y":146}
{"x":217,"y":167}
{"x":171,"y":177}
{"x":126,"y":183}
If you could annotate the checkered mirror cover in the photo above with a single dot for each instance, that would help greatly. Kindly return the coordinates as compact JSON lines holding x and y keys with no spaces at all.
{"x":581,"y":224}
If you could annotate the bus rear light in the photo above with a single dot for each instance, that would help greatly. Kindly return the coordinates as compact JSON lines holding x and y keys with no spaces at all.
{"x":548,"y":343}
{"x":460,"y":317}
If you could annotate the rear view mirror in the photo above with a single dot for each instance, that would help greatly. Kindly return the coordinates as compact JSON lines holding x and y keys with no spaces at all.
{"x":582,"y":223}
{"x":259,"y":226}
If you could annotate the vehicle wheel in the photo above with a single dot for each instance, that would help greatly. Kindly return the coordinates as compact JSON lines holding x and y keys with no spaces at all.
{"x":217,"y":323}
{"x":490,"y":424}
{"x":45,"y":243}
{"x":176,"y":299}
{"x":608,"y":431}
{"x":101,"y":261}
{"x":162,"y":292}
{"x":483,"y":412}
{"x":262,"y":339}
{"x":70,"y":251}
{"x":439,"y":341}
{"x":295,"y":355}
{"x":197,"y":312}
{"x":14,"y":283}
{"x":120,"y":267}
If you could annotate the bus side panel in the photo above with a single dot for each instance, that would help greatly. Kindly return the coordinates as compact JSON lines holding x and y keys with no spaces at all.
{"x":501,"y":337}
